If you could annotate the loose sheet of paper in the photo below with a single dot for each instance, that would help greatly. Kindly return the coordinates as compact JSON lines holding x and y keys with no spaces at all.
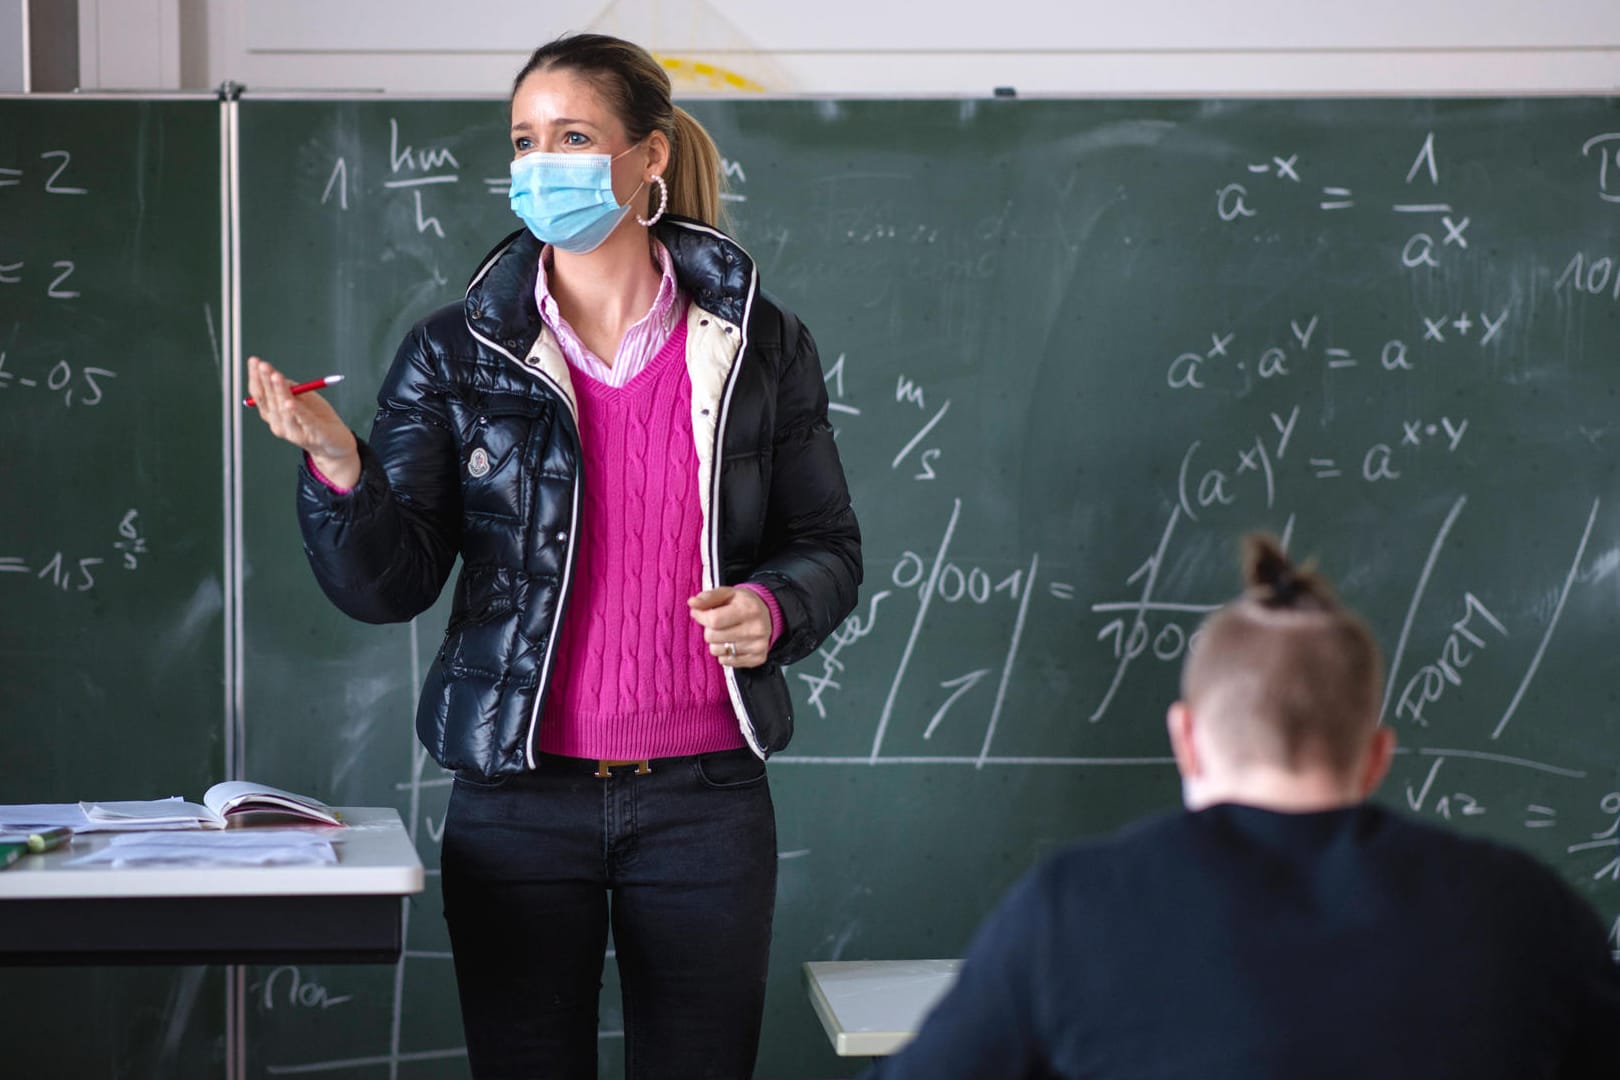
{"x":31,"y":817}
{"x":248,"y":848}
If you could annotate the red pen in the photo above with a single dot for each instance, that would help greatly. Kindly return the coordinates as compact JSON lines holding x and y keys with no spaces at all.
{"x":303,"y":387}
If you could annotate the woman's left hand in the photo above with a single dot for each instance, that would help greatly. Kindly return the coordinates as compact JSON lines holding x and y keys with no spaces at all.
{"x":736,"y":624}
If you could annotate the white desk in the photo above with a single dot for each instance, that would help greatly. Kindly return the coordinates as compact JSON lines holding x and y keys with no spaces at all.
{"x":52,"y":913}
{"x":874,"y":1007}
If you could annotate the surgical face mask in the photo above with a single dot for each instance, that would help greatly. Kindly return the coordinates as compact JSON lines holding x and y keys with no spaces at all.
{"x":567,"y":199}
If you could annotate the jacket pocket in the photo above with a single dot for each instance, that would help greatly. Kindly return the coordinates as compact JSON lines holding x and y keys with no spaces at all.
{"x":496,"y":442}
{"x":473,"y":780}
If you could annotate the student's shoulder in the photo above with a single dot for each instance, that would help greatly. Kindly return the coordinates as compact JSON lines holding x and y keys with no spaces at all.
{"x":1431,"y":841}
{"x":1518,"y":882}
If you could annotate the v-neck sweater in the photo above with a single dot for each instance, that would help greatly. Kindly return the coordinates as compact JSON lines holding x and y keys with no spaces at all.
{"x":633,"y":676}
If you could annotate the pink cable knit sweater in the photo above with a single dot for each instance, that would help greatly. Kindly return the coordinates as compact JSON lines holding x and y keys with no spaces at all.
{"x":633,"y":677}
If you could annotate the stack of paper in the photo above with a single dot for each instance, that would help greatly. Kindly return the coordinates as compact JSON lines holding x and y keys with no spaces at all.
{"x":263,"y":847}
{"x":146,"y":815}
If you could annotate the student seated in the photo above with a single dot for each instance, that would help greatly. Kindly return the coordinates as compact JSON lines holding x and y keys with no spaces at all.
{"x":1281,"y":927}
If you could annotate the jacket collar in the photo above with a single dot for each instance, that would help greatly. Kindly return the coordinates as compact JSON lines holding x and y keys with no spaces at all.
{"x":500,"y":305}
{"x":711,"y":267}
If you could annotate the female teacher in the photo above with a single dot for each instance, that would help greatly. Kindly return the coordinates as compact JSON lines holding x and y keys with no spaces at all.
{"x":627,"y":445}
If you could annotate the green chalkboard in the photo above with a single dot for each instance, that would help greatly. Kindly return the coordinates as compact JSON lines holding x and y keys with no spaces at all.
{"x":112,"y":645}
{"x":1074,"y":350}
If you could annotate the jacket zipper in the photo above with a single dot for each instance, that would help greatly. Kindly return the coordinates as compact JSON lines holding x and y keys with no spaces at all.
{"x":564,"y":590}
{"x":732,"y":688}
{"x":573,"y":530}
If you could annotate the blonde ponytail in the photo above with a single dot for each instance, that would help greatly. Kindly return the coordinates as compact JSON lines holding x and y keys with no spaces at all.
{"x":694,"y":171}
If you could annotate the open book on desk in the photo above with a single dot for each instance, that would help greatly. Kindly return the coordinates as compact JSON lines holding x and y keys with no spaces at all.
{"x":231,"y":803}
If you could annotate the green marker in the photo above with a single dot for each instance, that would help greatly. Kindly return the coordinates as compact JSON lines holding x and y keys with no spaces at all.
{"x":48,"y":839}
{"x":36,"y":844}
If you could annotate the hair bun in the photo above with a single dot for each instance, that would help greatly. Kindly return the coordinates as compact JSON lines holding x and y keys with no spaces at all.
{"x":1275,"y":582}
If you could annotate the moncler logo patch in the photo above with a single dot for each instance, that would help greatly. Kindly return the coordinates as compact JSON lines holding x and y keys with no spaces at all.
{"x":478,"y":462}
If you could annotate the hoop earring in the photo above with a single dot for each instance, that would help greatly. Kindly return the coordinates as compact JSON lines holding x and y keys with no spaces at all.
{"x":663,"y":201}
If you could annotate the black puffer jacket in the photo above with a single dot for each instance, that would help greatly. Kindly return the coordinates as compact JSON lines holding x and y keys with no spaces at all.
{"x":475,"y":452}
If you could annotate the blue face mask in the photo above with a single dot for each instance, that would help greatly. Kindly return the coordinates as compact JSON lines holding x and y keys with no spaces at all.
{"x":567,"y":199}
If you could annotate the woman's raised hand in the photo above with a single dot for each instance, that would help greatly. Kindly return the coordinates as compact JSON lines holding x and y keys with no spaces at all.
{"x":308,"y":421}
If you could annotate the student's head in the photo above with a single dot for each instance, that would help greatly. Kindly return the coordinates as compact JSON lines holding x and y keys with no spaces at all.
{"x":1280,"y":695}
{"x":627,"y":94}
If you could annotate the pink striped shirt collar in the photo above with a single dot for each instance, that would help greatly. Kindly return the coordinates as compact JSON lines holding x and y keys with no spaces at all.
{"x":640,"y":343}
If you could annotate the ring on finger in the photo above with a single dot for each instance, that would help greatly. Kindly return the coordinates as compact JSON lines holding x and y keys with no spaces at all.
{"x":731,"y":649}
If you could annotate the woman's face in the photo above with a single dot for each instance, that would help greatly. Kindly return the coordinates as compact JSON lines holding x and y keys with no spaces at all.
{"x":558,"y":111}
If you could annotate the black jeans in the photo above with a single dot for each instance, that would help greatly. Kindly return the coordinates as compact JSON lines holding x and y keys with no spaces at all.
{"x":682,"y":860}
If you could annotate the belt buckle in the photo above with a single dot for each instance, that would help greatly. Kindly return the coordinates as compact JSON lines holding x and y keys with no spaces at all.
{"x":605,"y":766}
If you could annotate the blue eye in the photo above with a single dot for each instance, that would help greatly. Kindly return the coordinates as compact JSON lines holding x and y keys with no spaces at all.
{"x":521,"y":143}
{"x":574,"y":139}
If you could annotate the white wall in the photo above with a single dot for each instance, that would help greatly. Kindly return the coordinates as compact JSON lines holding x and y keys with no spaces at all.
{"x":128,"y":44}
{"x":861,"y":46}
{"x":13,"y":45}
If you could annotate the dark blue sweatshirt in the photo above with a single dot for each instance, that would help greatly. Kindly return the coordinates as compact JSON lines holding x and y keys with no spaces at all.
{"x":1242,"y":943}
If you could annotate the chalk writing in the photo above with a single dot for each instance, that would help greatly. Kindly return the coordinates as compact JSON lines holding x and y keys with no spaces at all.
{"x":961,"y":685}
{"x":61,"y":377}
{"x":1413,"y":432}
{"x":907,"y":392}
{"x":132,"y":544}
{"x":1464,"y":804}
{"x":1540,"y":817}
{"x":52,"y":182}
{"x":56,"y":278}
{"x":1436,"y":328}
{"x":1605,"y":841}
{"x":1338,"y":198}
{"x":339,"y":180}
{"x":1425,"y":162}
{"x":1552,"y":622}
{"x":1584,"y":274}
{"x":834,"y":378}
{"x":299,"y":992}
{"x":1429,"y":684}
{"x":1608,"y":153}
{"x":732,"y":175}
{"x":73,"y":572}
{"x":1231,"y":204}
{"x":1215,"y":486}
{"x":1131,"y":638}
